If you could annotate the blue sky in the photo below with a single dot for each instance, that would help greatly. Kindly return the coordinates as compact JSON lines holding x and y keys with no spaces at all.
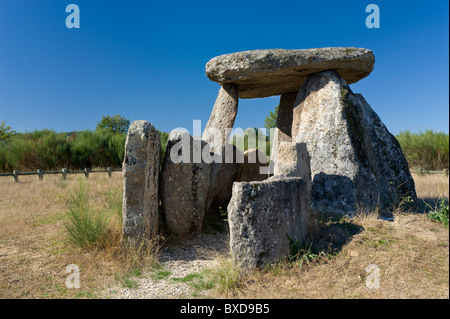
{"x":146,"y":60}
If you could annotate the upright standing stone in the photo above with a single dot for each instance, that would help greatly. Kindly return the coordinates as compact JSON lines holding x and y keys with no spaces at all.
{"x":355,"y":162}
{"x":265,"y":218}
{"x":250,"y":170}
{"x":222,"y":117}
{"x":283,"y":127}
{"x":141,"y":180}
{"x":293,"y":161}
{"x":184,"y":185}
{"x":284,"y":118}
{"x":222,"y":175}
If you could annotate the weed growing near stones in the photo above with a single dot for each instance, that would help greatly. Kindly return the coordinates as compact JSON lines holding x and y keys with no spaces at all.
{"x":223,"y":277}
{"x":441,"y":213}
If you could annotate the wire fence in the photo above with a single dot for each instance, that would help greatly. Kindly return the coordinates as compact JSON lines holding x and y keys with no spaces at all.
{"x":40,"y":173}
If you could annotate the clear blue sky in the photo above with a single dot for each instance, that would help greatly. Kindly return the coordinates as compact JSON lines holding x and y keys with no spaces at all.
{"x":146,"y":60}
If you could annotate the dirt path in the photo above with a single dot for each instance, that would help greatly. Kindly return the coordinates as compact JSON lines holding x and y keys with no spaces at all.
{"x":177,"y":262}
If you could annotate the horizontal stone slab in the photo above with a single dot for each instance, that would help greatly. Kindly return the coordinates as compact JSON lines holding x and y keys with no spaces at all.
{"x":262,"y":73}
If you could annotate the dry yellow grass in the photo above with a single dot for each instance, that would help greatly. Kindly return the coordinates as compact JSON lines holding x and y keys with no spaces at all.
{"x":412,"y":253}
{"x":431,"y":186}
{"x":34,"y":246}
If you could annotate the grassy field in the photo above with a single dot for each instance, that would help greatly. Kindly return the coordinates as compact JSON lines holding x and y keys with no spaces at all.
{"x":35,"y":248}
{"x":411,"y":253}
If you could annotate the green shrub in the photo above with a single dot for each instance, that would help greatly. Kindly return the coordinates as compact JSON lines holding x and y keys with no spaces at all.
{"x":48,"y":150}
{"x":19,"y":151}
{"x":97,"y":149}
{"x":51,"y":150}
{"x":441,"y":213}
{"x":428,"y":150}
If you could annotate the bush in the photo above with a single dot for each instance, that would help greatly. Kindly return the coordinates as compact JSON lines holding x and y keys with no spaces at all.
{"x":429,"y":150}
{"x":441,"y":213}
{"x":48,"y":150}
{"x":97,"y":149}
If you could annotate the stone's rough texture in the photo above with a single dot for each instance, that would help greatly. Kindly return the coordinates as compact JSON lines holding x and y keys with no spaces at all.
{"x":262,"y":73}
{"x":293,"y":161}
{"x":355,"y":161}
{"x":250,"y":170}
{"x":262,"y":216}
{"x":183,"y":186}
{"x":283,"y":127}
{"x":383,"y":153}
{"x":222,"y":177}
{"x":284,"y":119}
{"x":222,"y":117}
{"x":141,"y":178}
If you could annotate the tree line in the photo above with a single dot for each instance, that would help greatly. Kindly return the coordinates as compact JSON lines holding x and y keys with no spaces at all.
{"x":104,"y":147}
{"x":428,"y":150}
{"x":50,"y":150}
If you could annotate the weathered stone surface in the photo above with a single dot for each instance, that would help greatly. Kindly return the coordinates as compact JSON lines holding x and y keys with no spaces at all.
{"x":262,"y":215}
{"x":284,"y":118}
{"x":283,"y":127}
{"x":222,"y":177}
{"x":222,"y":117}
{"x":262,"y":73}
{"x":355,"y":161}
{"x":249,"y":170}
{"x":293,"y":161}
{"x":141,"y":180}
{"x":183,"y":185}
{"x":222,"y":174}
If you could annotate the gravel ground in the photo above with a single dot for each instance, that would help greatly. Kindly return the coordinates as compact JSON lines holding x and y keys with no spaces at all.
{"x":191,"y":257}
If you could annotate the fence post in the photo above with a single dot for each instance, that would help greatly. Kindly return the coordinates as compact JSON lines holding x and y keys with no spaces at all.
{"x":86,"y":172}
{"x":109,"y":171}
{"x":40,"y":174}
{"x":64,"y":172}
{"x":16,"y":175}
{"x":445,"y":171}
